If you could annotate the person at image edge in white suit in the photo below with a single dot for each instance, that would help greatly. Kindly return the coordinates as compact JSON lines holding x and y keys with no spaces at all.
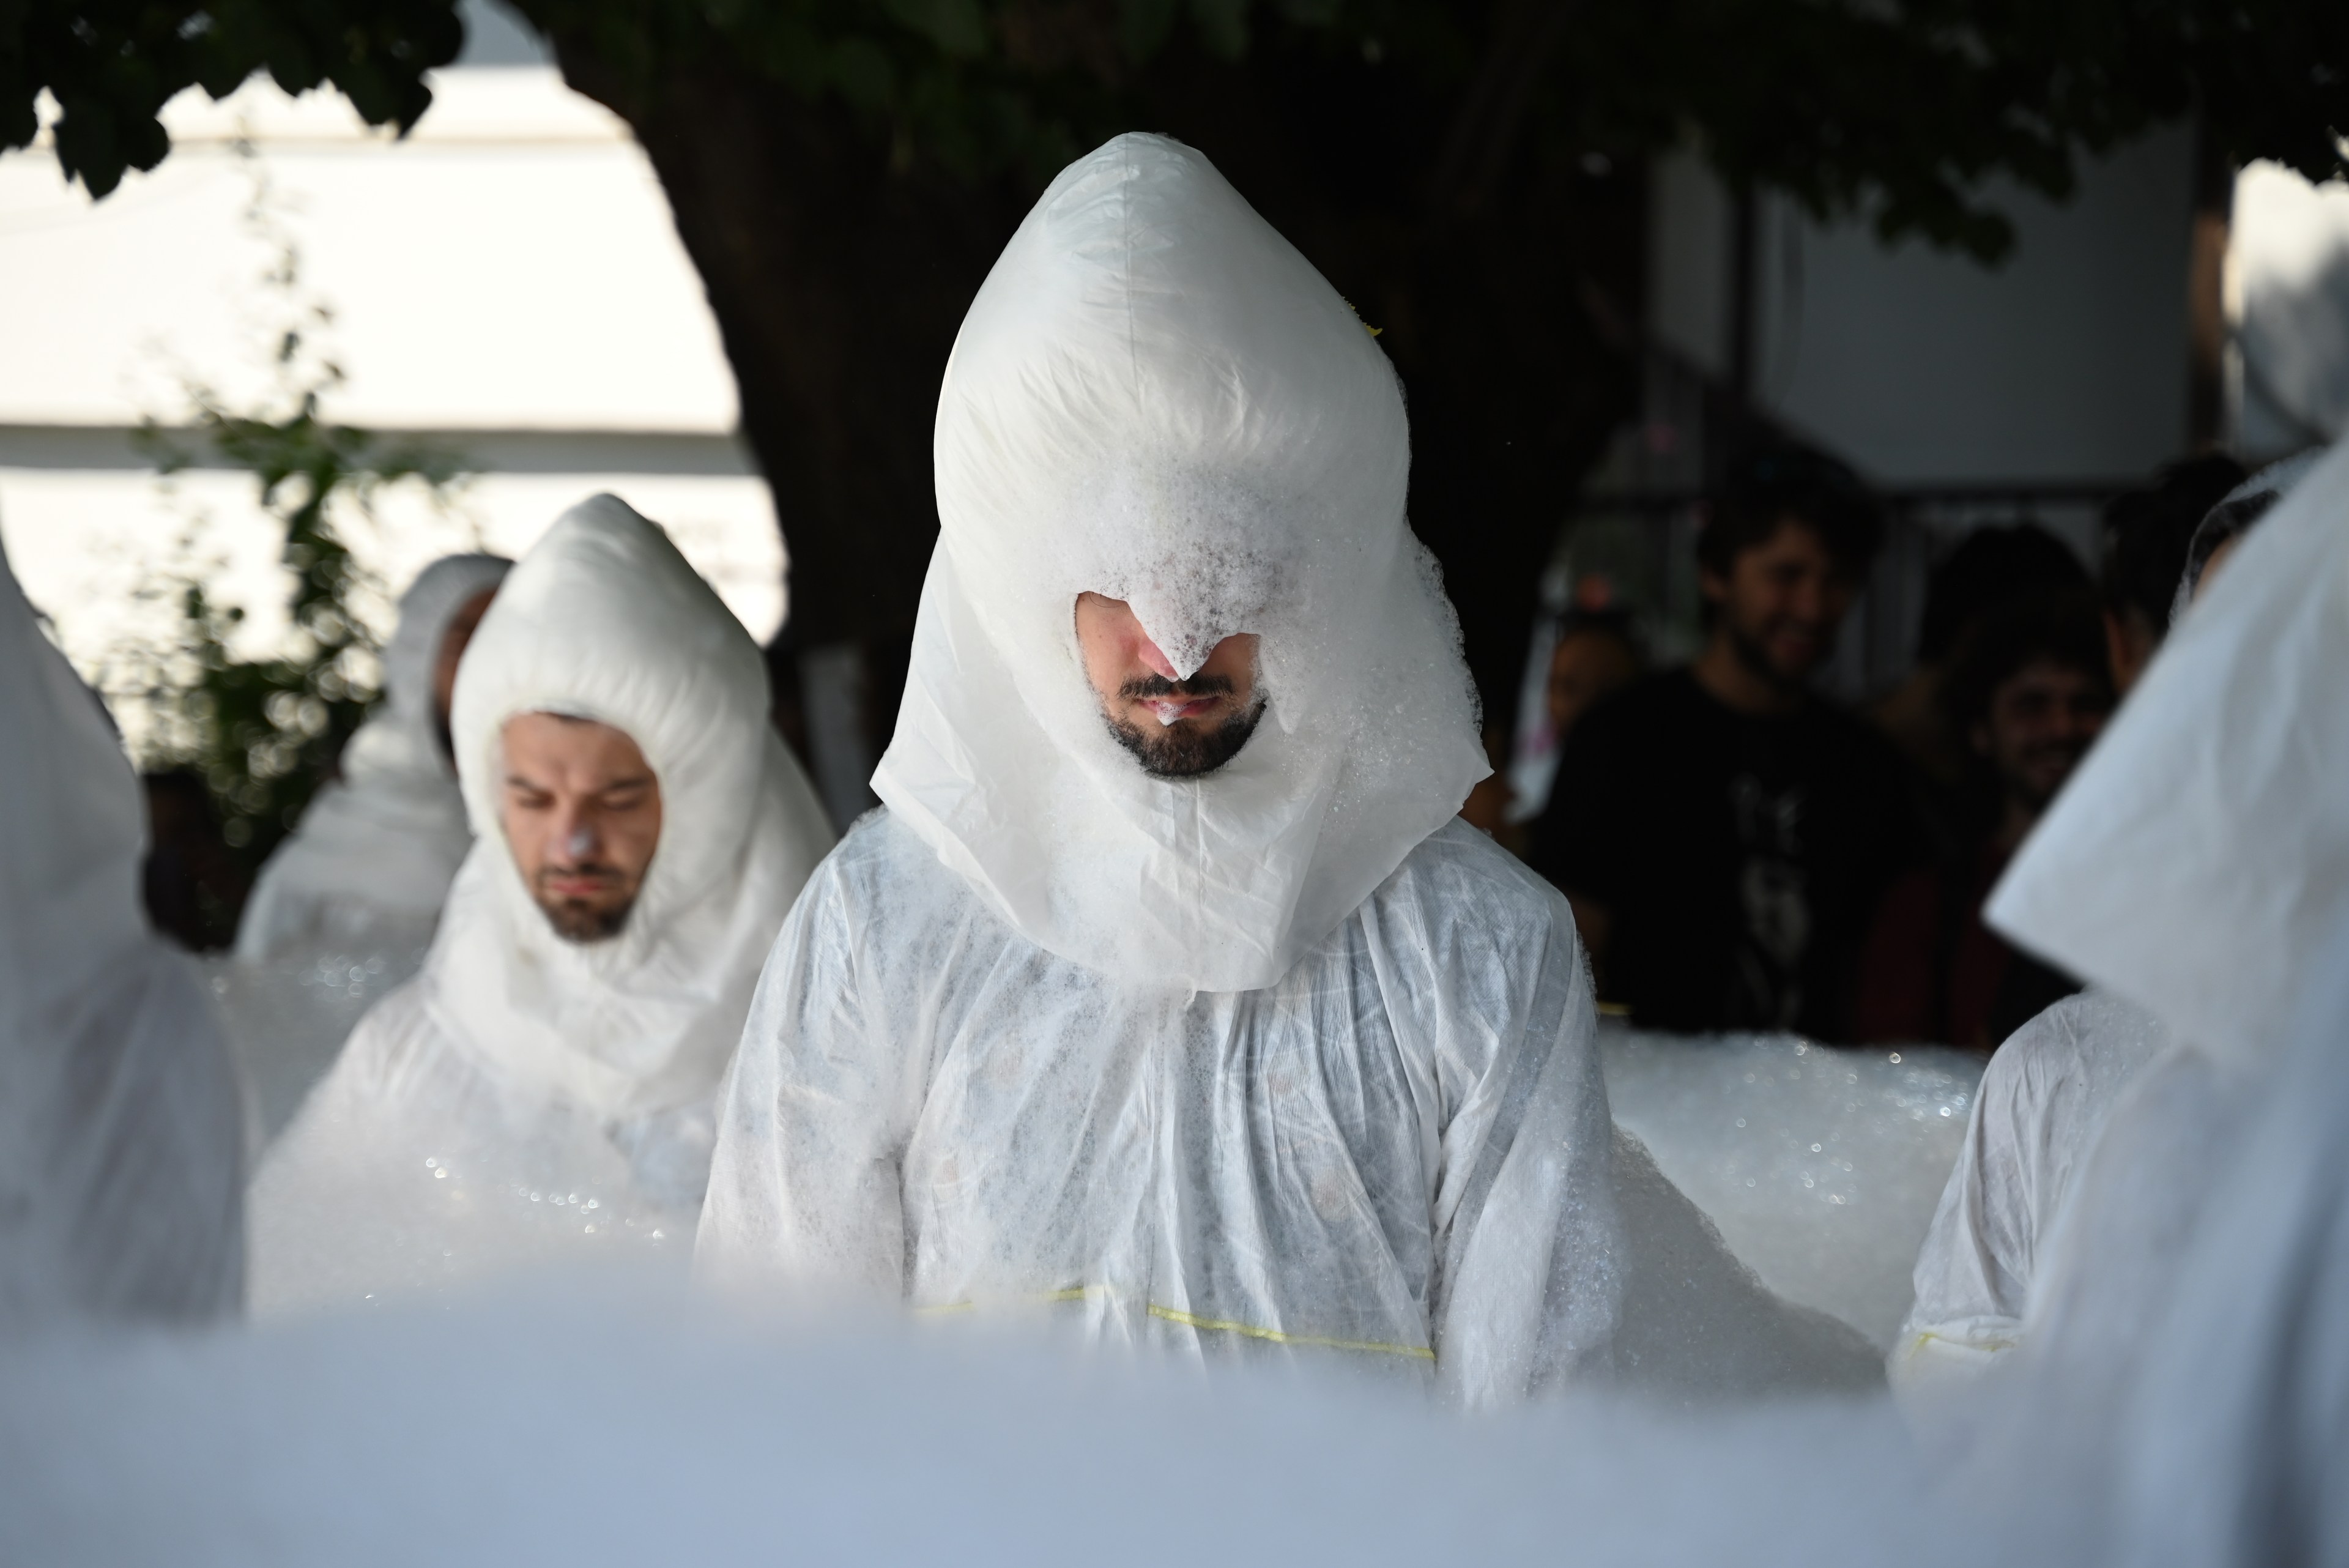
{"x":121,"y":1144}
{"x":2051,"y":1088}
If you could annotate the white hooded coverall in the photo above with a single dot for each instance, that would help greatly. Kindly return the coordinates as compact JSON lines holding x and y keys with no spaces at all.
{"x":2054,"y":1084}
{"x":2181,"y":1358}
{"x":121,"y":1152}
{"x":1280,"y":1059}
{"x":526,"y":1096}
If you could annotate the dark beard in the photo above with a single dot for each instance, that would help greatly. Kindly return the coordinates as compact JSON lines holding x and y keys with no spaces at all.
{"x":1182,"y":751}
{"x":1749,"y":653}
{"x":583,"y":923}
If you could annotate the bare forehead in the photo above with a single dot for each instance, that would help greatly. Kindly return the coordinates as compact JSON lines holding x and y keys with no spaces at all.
{"x":555,"y":749}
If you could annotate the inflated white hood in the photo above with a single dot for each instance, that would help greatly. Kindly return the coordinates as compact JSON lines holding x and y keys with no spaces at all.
{"x":605,"y":620}
{"x":1154,"y":397}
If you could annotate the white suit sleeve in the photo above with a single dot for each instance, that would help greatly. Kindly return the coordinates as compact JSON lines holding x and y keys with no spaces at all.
{"x":1529,"y":1294}
{"x":813,"y":1118}
{"x":1498,"y":1015}
{"x":1973,"y":1274}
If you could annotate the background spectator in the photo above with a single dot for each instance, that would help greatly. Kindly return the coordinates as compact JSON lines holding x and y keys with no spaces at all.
{"x":1598,"y":653}
{"x":2030,"y":690}
{"x":192,"y":887}
{"x":1989,"y":567}
{"x":1725,"y":834}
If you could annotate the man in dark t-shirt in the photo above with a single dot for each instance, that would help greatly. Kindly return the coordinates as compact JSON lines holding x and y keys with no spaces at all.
{"x":1723,"y":834}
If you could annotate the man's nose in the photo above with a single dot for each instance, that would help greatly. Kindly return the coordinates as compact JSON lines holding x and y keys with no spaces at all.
{"x":574,"y":837}
{"x":1160,"y":665}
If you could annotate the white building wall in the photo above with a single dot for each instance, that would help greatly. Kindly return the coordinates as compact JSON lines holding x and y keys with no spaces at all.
{"x":2067,"y":362}
{"x":506,"y":286}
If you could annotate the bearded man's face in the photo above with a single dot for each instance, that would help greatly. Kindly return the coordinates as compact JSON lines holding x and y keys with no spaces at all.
{"x":1176,"y":728}
{"x":581,"y":812}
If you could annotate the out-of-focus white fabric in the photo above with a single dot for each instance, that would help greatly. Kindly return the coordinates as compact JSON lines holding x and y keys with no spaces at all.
{"x":2042,"y":1105}
{"x":371,"y":861}
{"x":2197,"y":865}
{"x":2201,"y":852}
{"x":2138,"y":880}
{"x":121,"y":1144}
{"x":2233,"y":1437}
{"x":1154,"y":397}
{"x":520,"y":1070}
{"x":1399,"y":1153}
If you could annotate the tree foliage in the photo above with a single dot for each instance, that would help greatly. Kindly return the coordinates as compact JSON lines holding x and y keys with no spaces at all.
{"x":1898,"y":109}
{"x":265,"y":733}
{"x":842,"y":172}
{"x":111,"y":65}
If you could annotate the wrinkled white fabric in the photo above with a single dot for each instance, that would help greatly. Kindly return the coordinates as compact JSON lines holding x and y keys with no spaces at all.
{"x":520,"y":1071}
{"x":368,"y":865}
{"x":2052,"y":1088}
{"x":2197,"y":865}
{"x":1401,"y":1152}
{"x":2042,"y":1104}
{"x":121,"y":1147}
{"x":2200,"y":854}
{"x":2233,"y":1441}
{"x":1156,"y":398}
{"x":1281,"y":1059}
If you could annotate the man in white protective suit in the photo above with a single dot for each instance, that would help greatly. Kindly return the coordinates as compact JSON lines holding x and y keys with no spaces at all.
{"x":121,"y":1149}
{"x":370,"y":862}
{"x":2198,"y":868}
{"x":2045,"y":1098}
{"x":542,"y":1089}
{"x":1167,"y":990}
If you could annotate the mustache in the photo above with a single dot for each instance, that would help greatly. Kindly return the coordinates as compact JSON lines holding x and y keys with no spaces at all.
{"x":584,"y":868}
{"x":1143,"y":687}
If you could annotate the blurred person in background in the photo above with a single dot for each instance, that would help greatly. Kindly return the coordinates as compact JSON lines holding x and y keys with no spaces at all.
{"x":371,"y":860}
{"x":1722,"y":832}
{"x":1598,"y":653}
{"x":2146,"y":536}
{"x":2030,"y":690}
{"x":121,"y":1142}
{"x":192,"y":887}
{"x":1990,"y":566}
